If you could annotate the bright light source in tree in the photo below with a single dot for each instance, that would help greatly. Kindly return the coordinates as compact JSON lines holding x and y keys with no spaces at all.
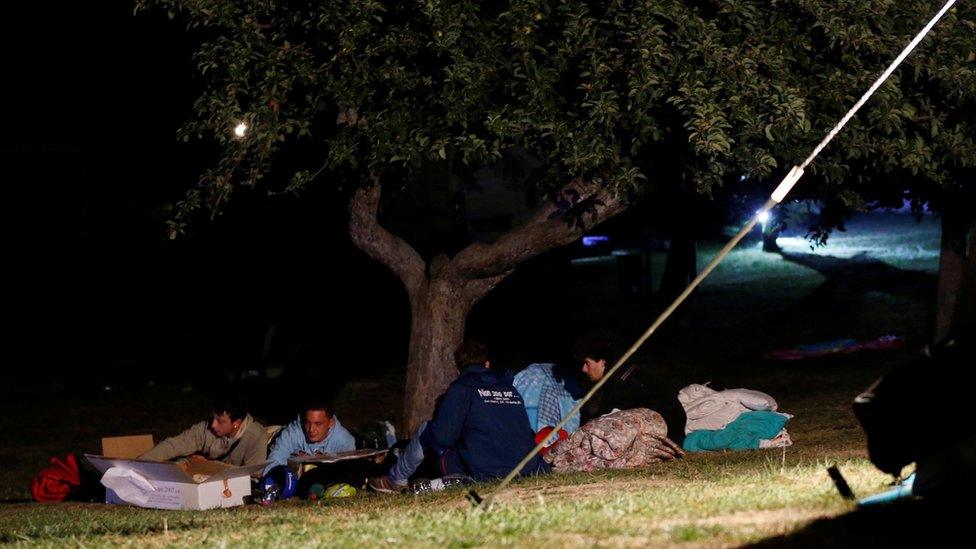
{"x":240,"y":129}
{"x":762,"y":216}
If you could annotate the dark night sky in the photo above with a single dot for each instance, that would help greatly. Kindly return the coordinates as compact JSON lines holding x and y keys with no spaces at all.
{"x":91,"y":162}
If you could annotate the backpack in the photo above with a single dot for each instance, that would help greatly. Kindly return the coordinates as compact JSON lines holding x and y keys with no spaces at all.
{"x":922,"y":412}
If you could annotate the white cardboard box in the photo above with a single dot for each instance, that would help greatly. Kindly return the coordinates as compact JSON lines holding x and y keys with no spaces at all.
{"x":167,"y":485}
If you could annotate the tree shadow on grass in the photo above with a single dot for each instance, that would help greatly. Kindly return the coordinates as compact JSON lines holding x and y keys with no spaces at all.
{"x":906,"y":523}
{"x":848,"y":280}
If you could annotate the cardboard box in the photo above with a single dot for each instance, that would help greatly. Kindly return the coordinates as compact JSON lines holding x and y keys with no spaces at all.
{"x":297,"y":462}
{"x":129,"y":447}
{"x":172,"y":485}
{"x":353,"y":467}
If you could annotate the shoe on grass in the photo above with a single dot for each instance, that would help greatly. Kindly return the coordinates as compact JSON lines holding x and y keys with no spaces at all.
{"x":385,"y":485}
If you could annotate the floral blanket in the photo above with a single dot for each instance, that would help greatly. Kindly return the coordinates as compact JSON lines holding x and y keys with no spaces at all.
{"x":622,"y":439}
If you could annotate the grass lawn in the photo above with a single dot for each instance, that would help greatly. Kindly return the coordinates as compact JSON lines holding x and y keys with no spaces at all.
{"x":755,"y":303}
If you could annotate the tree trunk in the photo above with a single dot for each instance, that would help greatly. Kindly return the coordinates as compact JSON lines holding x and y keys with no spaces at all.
{"x":438,"y":315}
{"x":964,"y":316}
{"x":680,"y":267}
{"x":769,"y":237}
{"x":956,"y":226}
{"x":442,"y":294}
{"x":770,"y":232}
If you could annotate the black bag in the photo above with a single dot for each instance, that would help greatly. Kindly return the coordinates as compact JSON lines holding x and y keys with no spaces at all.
{"x":922,"y":409}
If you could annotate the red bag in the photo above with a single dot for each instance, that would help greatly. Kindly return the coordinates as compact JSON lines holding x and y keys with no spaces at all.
{"x":544,"y":433}
{"x":54,"y":483}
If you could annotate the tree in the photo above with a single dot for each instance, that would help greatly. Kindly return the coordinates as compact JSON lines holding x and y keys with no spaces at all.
{"x":615,"y":99}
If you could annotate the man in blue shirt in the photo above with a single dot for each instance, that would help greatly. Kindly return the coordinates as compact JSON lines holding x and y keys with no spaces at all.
{"x":316,"y":431}
{"x":479,"y":429}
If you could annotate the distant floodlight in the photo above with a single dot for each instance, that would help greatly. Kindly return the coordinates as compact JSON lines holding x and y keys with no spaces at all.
{"x":762,"y":216}
{"x":240,"y":129}
{"x":596,"y":240}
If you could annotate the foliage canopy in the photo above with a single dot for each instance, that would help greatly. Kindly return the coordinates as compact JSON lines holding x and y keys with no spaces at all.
{"x":635,"y":94}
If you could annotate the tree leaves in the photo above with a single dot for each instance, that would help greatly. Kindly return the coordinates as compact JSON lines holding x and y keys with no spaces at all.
{"x":614,"y":91}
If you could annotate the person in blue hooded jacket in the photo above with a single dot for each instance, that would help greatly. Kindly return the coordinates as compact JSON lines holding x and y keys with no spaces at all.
{"x":479,"y":428}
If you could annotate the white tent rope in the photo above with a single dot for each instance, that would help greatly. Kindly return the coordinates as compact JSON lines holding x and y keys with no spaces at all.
{"x":775,"y":198}
{"x":877,"y":83}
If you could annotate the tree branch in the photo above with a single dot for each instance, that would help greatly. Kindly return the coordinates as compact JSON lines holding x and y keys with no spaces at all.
{"x":546,"y":229}
{"x":475,"y":289}
{"x":380,"y":244}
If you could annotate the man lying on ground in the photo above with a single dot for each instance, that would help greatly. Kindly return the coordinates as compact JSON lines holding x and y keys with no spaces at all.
{"x":231,"y":436}
{"x":479,"y":429}
{"x":316,"y":431}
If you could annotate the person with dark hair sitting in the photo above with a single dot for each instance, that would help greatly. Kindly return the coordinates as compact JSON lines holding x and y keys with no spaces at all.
{"x":316,"y":431}
{"x":624,"y":391}
{"x":479,"y":428}
{"x":231,"y":436}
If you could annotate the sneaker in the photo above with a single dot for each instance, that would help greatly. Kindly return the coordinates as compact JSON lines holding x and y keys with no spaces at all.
{"x":421,"y":486}
{"x":385,"y":485}
{"x":425,"y":486}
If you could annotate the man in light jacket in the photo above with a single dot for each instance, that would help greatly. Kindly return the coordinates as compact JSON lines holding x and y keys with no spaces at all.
{"x":231,"y":436}
{"x":316,"y":431}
